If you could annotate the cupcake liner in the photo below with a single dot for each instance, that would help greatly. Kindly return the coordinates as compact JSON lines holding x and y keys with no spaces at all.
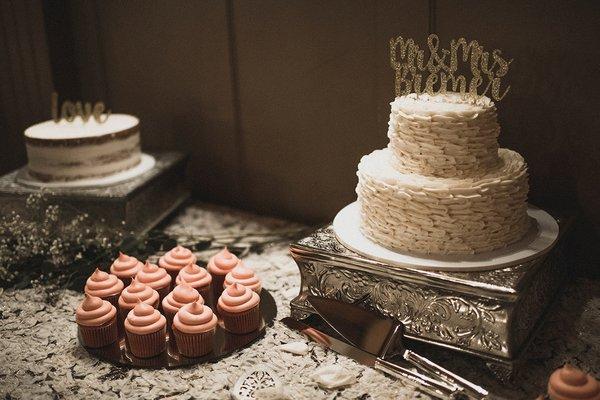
{"x":194,"y":344}
{"x":99,"y":336}
{"x":240,"y":323}
{"x":114,"y":299}
{"x":126,"y":281}
{"x":148,"y":345}
{"x":169,"y":317}
{"x":162,"y":293}
{"x":206,"y":292}
{"x":217,"y":285}
{"x":173,"y":274}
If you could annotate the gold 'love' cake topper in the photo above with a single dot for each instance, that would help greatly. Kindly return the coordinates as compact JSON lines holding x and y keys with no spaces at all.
{"x":69,"y":110}
{"x":441,"y":72}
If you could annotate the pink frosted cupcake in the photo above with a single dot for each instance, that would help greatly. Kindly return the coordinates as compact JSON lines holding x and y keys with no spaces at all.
{"x":125,"y":268}
{"x":130,"y":296}
{"x":199,"y":279}
{"x":155,"y":277}
{"x":106,"y":286}
{"x":244,"y":276}
{"x":175,"y":259}
{"x":182,"y":294}
{"x":97,"y":322}
{"x":146,"y":331}
{"x":238,"y":306}
{"x":218,"y":266}
{"x":571,"y":383}
{"x":194,"y":328}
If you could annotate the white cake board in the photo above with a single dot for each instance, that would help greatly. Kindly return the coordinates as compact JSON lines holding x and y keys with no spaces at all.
{"x":146,"y":163}
{"x":540,"y":239}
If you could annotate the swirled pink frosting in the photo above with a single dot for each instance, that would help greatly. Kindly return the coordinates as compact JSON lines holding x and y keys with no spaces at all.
{"x":570,"y":383}
{"x":238,"y":298}
{"x":144,"y":319}
{"x":137,"y":291}
{"x":222,"y":262}
{"x":177,"y":258}
{"x":195,"y":275}
{"x":195,"y":318}
{"x":154,"y":276}
{"x":102,"y":284}
{"x":244,"y":276}
{"x":125,"y":267}
{"x":182,"y":294}
{"x":93,"y":311}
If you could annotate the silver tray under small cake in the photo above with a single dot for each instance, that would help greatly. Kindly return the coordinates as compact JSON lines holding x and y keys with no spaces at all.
{"x":225,"y":343}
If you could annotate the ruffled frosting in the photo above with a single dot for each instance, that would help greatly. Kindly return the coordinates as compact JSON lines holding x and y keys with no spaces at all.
{"x":137,"y":291}
{"x":244,"y":276}
{"x":93,"y":311}
{"x":144,"y":319}
{"x":154,"y":276}
{"x":222,"y":262}
{"x":444,"y":135}
{"x":415,"y":213}
{"x":182,"y":294}
{"x":237,"y":298}
{"x":195,"y":318}
{"x":125,"y":266}
{"x":177,"y":258}
{"x":194,"y":275}
{"x":570,"y":383}
{"x":102,"y":284}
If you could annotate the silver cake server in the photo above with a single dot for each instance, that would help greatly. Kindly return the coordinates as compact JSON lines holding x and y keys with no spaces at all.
{"x":382,"y":337}
{"x":435,"y":388}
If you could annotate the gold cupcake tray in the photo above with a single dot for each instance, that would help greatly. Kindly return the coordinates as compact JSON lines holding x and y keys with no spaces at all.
{"x":225,"y":343}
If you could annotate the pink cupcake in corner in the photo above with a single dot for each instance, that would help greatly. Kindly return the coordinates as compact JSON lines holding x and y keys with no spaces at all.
{"x":194,"y":328}
{"x":133,"y":293}
{"x":239,"y":307}
{"x":155,"y":277}
{"x":219,"y":266}
{"x":106,"y":286}
{"x":125,"y":268}
{"x":146,"y":331}
{"x":175,"y":259}
{"x":199,"y":279}
{"x":97,"y":322}
{"x":182,"y":294}
{"x":244,"y":276}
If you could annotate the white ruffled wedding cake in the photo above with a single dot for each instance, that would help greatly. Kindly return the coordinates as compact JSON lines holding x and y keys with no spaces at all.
{"x":442,"y":186}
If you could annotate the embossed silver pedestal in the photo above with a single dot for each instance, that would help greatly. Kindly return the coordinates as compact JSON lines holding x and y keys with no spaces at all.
{"x":141,"y":202}
{"x":489,"y":314}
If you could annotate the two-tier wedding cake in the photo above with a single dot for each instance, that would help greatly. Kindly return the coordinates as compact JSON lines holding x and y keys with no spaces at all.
{"x":442,"y":186}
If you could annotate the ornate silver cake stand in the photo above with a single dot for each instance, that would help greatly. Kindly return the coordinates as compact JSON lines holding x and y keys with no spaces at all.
{"x":489,"y":314}
{"x":137,"y":203}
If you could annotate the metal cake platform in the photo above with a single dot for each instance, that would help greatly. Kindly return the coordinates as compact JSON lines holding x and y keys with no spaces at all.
{"x":488,"y":314}
{"x":141,"y":202}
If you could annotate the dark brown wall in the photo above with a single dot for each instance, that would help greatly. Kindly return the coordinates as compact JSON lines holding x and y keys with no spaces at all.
{"x":276,"y":101}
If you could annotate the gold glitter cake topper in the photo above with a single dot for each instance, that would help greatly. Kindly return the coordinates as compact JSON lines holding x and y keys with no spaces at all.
{"x":69,"y":110}
{"x":438,"y":73}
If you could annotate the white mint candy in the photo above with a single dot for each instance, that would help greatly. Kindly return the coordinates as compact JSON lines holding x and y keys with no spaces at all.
{"x":298,"y":348}
{"x":333,"y":376}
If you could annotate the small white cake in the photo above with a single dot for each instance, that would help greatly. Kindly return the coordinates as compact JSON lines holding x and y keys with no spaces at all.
{"x":66,"y":151}
{"x":443,"y":186}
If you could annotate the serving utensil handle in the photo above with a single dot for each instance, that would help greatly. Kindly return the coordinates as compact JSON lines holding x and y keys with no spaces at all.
{"x":435,"y":369}
{"x":436,"y":388}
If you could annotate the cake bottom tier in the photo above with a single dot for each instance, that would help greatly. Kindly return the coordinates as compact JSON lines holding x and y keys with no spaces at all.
{"x":428,"y":215}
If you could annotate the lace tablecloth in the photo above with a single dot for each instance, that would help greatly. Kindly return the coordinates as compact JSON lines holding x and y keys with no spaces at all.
{"x":40,"y":357}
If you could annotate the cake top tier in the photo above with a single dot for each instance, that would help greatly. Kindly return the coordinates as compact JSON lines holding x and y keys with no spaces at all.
{"x":445,"y":135}
{"x":50,"y":130}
